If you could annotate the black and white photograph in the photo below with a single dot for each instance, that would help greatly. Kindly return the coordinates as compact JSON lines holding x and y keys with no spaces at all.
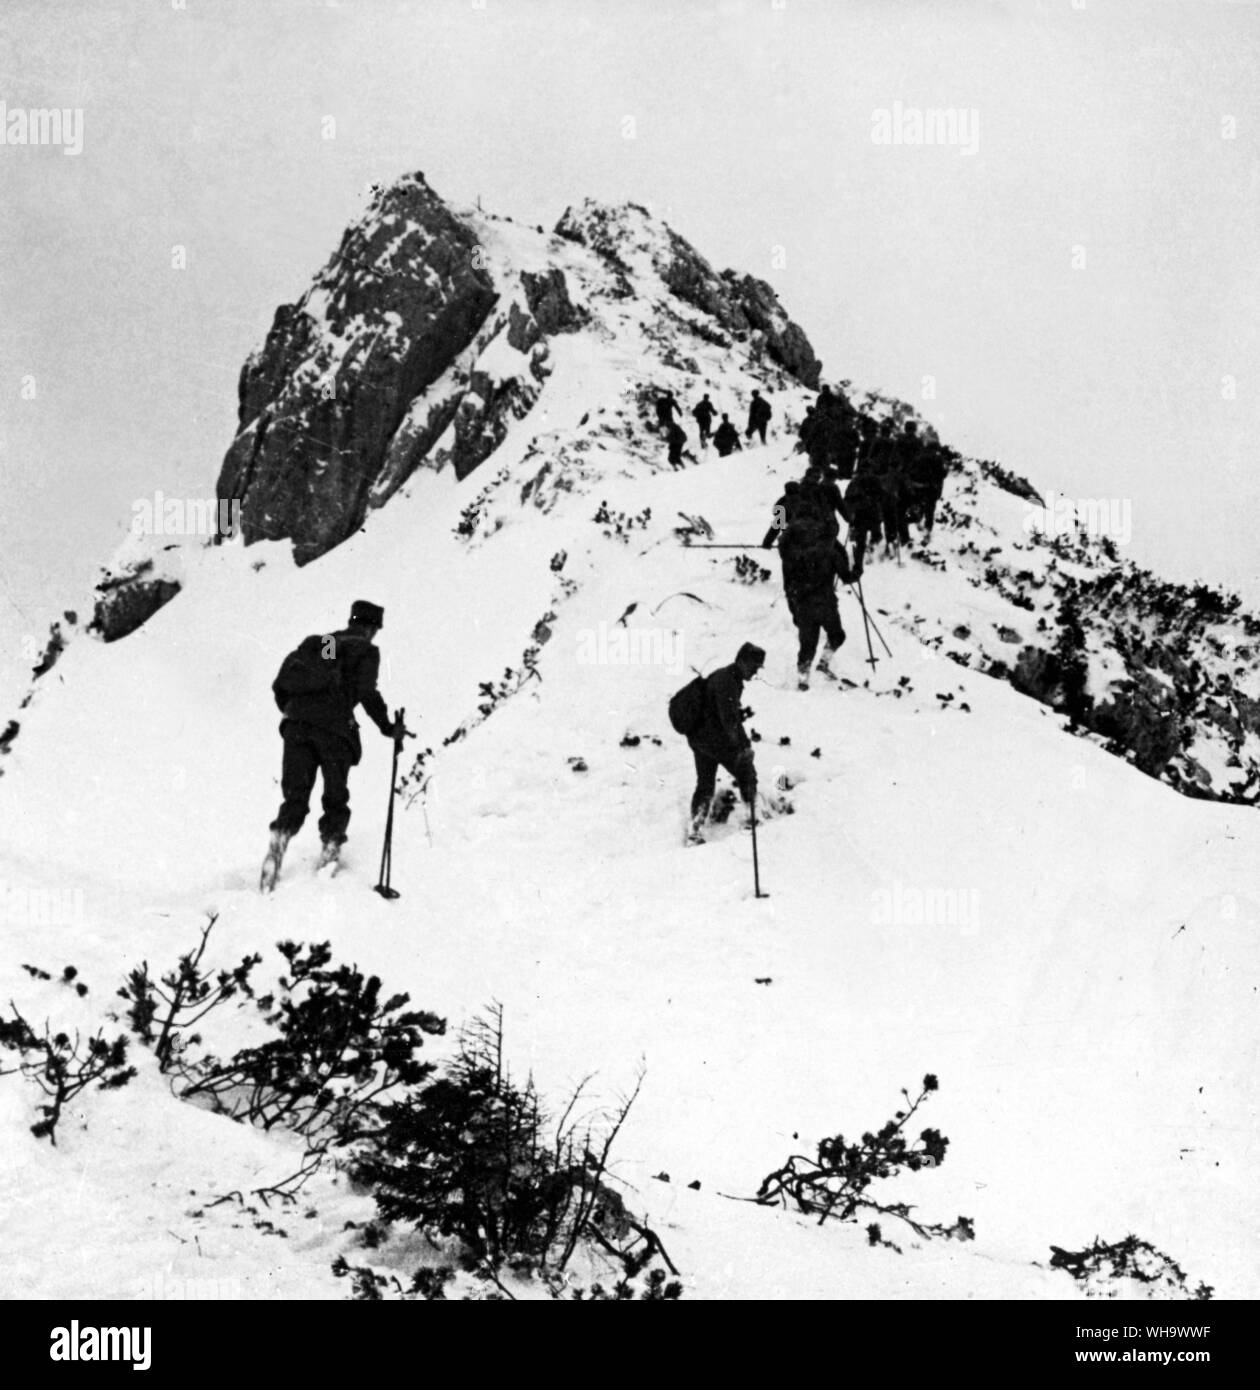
{"x":629,"y":662}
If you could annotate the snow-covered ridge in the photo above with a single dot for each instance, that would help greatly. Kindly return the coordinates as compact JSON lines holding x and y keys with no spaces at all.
{"x":961,"y":888}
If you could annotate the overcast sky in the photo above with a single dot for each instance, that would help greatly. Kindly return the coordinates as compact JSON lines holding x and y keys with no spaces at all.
{"x":1080,"y":280}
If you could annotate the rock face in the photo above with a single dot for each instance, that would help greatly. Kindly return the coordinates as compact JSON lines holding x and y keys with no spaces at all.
{"x":746,"y":307}
{"x":130,"y":594}
{"x":400,"y":300}
{"x":428,"y":334}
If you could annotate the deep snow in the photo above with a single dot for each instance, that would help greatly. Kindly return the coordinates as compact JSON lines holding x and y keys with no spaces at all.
{"x":1084,"y":983}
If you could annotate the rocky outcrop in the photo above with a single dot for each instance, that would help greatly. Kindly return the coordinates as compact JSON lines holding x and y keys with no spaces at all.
{"x":1164,"y":675}
{"x":129,"y":599}
{"x":547,"y":297}
{"x":403,"y":296}
{"x":631,"y":240}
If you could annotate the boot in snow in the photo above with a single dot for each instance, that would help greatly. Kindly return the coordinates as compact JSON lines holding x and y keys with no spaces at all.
{"x":802,"y":676}
{"x":330,"y":854}
{"x":275,"y":857}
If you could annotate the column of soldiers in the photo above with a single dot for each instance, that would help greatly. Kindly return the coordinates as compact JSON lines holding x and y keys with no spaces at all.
{"x":892,"y":478}
{"x":725,"y":437}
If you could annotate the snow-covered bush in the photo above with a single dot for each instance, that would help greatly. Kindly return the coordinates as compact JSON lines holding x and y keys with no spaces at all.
{"x":475,"y":1158}
{"x":163,"y":1012}
{"x":1111,"y":1269}
{"x":341,"y":1047}
{"x":836,"y":1182}
{"x":61,"y":1066}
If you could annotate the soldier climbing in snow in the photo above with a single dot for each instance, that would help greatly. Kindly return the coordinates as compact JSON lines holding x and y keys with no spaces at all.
{"x":727,"y":437}
{"x":821,"y":496}
{"x":758,"y":416}
{"x":882,"y":468}
{"x":905,"y":460}
{"x":815,"y":496}
{"x":317,"y":689}
{"x":926,"y":483}
{"x":704,"y":412}
{"x":666,"y":407}
{"x":813,"y":560}
{"x":717,"y":736}
{"x":864,"y":511}
{"x":676,"y":437}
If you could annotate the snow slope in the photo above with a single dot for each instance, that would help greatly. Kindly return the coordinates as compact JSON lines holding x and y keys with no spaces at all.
{"x":961,"y":889}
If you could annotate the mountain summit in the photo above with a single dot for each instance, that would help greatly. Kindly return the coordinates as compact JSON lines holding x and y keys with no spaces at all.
{"x":428,"y":330}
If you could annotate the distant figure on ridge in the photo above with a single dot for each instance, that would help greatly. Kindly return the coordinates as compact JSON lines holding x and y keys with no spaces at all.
{"x":676,"y":437}
{"x":758,"y":416}
{"x":704,"y":413}
{"x":727,"y":437}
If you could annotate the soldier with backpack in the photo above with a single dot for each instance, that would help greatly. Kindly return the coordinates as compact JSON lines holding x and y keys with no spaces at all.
{"x":726,"y":437}
{"x":820,"y":495}
{"x":815,"y":496}
{"x":708,"y":711}
{"x":317,"y":689}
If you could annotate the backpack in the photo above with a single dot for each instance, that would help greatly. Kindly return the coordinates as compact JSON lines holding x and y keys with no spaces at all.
{"x":686,"y":706}
{"x":307,"y":670}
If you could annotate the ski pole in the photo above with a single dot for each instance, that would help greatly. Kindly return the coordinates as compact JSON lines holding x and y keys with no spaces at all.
{"x":866,"y":624}
{"x":878,"y":633}
{"x":387,"y":850}
{"x":757,"y":893}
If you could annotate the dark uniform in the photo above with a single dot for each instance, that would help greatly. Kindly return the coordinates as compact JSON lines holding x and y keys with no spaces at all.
{"x":758,"y":416}
{"x":843,"y":452}
{"x":812,"y":562}
{"x":905,"y":461}
{"x":927,"y":482}
{"x":864,"y":511}
{"x":704,"y":412}
{"x":321,"y":735}
{"x":719,"y":740}
{"x":727,"y":437}
{"x":666,"y":405}
{"x":820,"y":496}
{"x":677,"y":438}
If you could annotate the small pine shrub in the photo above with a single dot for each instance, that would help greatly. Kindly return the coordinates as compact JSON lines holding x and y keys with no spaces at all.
{"x":162,"y":1013}
{"x":1108,"y":1269}
{"x":341,"y":1047}
{"x":474,"y":1157}
{"x":836,"y":1182}
{"x":62,"y":1067}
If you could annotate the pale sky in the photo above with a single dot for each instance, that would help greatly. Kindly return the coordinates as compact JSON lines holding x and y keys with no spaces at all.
{"x":1082,"y":289}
